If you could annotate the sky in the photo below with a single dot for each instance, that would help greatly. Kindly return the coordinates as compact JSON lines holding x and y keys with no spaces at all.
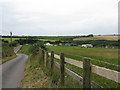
{"x":58,"y":17}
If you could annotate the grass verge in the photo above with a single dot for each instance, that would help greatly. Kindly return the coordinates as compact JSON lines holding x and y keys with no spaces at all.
{"x":8,"y":59}
{"x":37,"y":75}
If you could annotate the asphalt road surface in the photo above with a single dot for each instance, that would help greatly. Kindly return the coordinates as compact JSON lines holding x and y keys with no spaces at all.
{"x":17,"y":48}
{"x":12,"y":71}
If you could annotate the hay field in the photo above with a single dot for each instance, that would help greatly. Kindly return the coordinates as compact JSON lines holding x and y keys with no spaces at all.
{"x":102,"y":37}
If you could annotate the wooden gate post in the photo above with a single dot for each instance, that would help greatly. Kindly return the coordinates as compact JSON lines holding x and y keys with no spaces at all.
{"x":62,"y":68}
{"x":52,"y":61}
{"x":86,"y":73}
{"x":46,"y":58}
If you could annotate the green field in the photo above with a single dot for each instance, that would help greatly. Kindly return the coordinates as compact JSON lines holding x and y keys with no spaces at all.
{"x":102,"y":54}
{"x":13,"y":39}
{"x":107,"y":55}
{"x":48,"y":40}
{"x":25,"y":49}
{"x":9,"y":39}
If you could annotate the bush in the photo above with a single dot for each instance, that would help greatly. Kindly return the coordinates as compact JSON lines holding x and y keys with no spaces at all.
{"x":35,"y":47}
{"x":7,"y":50}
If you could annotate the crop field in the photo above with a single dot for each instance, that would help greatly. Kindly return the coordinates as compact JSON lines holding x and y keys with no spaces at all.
{"x":103,"y":37}
{"x":101,"y":54}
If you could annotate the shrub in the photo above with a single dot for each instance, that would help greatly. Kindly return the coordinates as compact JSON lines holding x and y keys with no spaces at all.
{"x":7,"y":50}
{"x":35,"y":47}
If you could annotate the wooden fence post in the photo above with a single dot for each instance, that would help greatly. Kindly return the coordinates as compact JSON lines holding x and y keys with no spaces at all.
{"x":42,"y":56}
{"x":52,"y":61}
{"x":62,"y":68}
{"x":86,"y":73}
{"x":46,"y":58}
{"x":40,"y":52}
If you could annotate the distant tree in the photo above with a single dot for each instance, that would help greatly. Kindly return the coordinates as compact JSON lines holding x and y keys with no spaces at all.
{"x":90,"y":35}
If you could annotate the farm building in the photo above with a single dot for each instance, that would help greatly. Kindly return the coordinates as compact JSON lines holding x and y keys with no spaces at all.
{"x":87,"y":45}
{"x":49,"y":44}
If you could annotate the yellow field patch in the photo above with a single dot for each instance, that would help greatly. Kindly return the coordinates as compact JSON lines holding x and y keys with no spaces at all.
{"x":102,"y":37}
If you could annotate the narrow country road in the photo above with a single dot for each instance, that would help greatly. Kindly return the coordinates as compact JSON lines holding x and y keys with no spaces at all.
{"x":17,"y":48}
{"x":12,"y":71}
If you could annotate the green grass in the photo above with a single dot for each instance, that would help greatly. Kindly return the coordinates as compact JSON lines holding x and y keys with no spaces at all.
{"x":7,"y":59}
{"x":0,"y":50}
{"x":103,"y":54}
{"x":34,"y":77}
{"x":36,"y":72}
{"x":9,"y":39}
{"x":25,"y":49}
{"x":97,"y":81}
{"x":39,"y":76}
{"x":106,"y":54}
{"x":48,"y":40}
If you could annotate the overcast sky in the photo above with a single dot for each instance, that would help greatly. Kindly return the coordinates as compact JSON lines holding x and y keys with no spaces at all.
{"x":58,"y":17}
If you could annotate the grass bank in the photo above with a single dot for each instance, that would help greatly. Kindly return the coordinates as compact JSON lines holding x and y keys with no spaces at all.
{"x":7,"y":59}
{"x":37,"y":75}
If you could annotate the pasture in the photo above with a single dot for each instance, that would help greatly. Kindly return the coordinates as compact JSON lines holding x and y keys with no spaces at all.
{"x":101,"y":54}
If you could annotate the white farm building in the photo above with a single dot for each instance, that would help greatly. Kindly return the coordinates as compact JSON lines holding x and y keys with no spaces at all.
{"x":48,"y":44}
{"x":87,"y":45}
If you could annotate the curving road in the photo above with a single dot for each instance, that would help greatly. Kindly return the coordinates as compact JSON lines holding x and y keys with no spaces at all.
{"x":12,"y":71}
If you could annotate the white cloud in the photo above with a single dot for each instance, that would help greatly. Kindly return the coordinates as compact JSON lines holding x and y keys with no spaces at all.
{"x":60,"y":17}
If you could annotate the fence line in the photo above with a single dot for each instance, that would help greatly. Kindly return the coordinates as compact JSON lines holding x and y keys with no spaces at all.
{"x":76,"y":76}
{"x":87,"y":69}
{"x":71,"y":73}
{"x":90,"y":59}
{"x":104,"y":72}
